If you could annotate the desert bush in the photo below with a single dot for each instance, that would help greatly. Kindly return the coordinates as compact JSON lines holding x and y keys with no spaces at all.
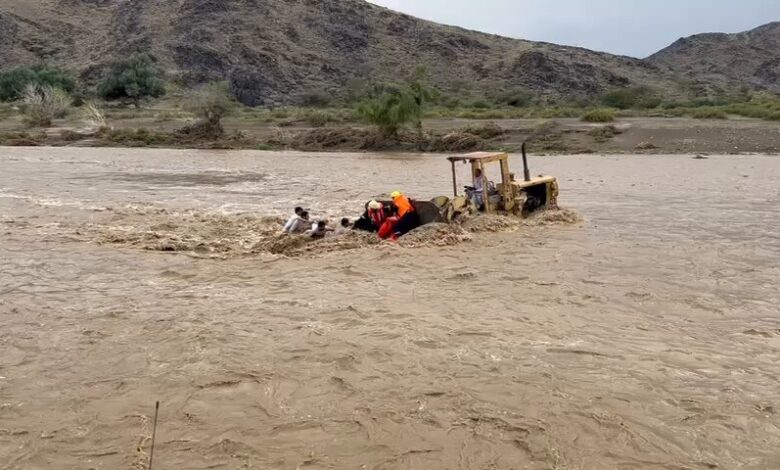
{"x":94,"y":116}
{"x":133,"y":79}
{"x":556,"y":112}
{"x":574,"y":100}
{"x":133,"y":137}
{"x":483,"y":114}
{"x":167,"y":116}
{"x":320,"y":118}
{"x":640,"y":97}
{"x":42,"y":104}
{"x":315,"y":99}
{"x":389,"y":108}
{"x":422,"y":93}
{"x":79,"y":96}
{"x":71,"y":136}
{"x":13,"y":83}
{"x":487,"y":131}
{"x":12,"y":136}
{"x":210,"y":104}
{"x":518,"y":98}
{"x":604,"y":133}
{"x":757,"y":106}
{"x":748,"y":110}
{"x":279,"y":114}
{"x":761,"y":106}
{"x":6,"y":111}
{"x":599,"y":115}
{"x":709,"y":113}
{"x":450,"y":102}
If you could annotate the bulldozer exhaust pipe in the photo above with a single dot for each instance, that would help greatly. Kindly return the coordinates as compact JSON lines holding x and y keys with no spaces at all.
{"x":526,"y":171}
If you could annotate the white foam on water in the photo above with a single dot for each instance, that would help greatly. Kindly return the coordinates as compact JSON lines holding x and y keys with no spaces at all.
{"x":7,"y":194}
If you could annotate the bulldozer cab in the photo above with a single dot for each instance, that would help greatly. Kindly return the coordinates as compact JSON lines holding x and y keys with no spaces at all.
{"x":509,"y":195}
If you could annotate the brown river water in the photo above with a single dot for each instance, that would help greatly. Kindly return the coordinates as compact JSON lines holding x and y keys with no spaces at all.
{"x":645,"y":335}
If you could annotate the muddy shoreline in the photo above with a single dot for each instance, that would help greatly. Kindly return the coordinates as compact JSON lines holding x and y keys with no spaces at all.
{"x":656,"y":136}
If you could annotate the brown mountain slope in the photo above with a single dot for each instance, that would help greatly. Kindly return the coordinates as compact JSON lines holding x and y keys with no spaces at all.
{"x":722,"y":62}
{"x":272,"y":51}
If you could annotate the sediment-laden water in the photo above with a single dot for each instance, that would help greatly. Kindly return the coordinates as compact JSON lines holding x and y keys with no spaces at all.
{"x":643,"y":333}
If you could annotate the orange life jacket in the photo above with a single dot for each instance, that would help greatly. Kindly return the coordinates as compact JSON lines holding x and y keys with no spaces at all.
{"x":404,"y":205}
{"x":387,"y":229}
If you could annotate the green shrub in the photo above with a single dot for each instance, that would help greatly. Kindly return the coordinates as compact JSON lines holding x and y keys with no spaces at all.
{"x":389,"y":108}
{"x":757,"y":106}
{"x":392,"y":106}
{"x":709,"y":113}
{"x":14,"y":82}
{"x":577,"y":101}
{"x":518,"y":98}
{"x":315,"y":99}
{"x":599,"y":115}
{"x":450,"y":102}
{"x":133,"y":79}
{"x":483,"y":114}
{"x":760,"y":106}
{"x":552,"y":113}
{"x":133,"y":137}
{"x":639,"y":97}
{"x":279,"y":114}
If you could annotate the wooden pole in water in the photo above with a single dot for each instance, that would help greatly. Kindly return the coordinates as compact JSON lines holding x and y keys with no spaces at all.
{"x":454,"y":180}
{"x":154,"y":433}
{"x":526,"y":171}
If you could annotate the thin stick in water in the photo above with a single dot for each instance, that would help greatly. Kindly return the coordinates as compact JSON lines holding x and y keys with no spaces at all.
{"x":154,"y":433}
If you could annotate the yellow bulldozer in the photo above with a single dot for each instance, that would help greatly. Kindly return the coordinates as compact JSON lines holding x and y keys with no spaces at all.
{"x":509,"y":196}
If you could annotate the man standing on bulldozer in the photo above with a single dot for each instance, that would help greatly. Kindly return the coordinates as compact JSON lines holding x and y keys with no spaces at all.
{"x":475,"y":193}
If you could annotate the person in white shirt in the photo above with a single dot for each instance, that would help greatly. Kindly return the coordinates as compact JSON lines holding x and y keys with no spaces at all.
{"x":319,"y":230}
{"x":301,"y":224}
{"x":292,"y":221}
{"x":344,"y":227}
{"x":479,"y":185}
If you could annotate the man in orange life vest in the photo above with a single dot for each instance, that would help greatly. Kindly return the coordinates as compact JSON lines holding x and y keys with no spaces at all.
{"x":408,"y":219}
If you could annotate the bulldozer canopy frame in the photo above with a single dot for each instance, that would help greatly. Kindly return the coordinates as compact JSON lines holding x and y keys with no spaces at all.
{"x":478,"y":161}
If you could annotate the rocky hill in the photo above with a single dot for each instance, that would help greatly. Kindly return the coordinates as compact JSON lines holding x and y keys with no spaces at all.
{"x":720,"y":62}
{"x":275,"y":51}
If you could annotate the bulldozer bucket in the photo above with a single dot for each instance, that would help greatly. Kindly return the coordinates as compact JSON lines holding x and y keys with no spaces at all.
{"x":429,"y":212}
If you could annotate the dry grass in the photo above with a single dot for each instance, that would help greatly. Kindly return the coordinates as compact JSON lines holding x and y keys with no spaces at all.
{"x":599,"y":115}
{"x":43,"y":104}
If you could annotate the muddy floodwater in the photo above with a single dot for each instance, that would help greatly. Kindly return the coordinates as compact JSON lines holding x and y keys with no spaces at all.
{"x":645,"y":335}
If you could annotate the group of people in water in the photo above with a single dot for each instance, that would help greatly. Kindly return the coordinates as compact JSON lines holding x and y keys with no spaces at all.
{"x":388,"y":220}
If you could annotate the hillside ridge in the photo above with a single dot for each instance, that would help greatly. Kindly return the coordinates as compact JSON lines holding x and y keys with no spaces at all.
{"x":274,"y":52}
